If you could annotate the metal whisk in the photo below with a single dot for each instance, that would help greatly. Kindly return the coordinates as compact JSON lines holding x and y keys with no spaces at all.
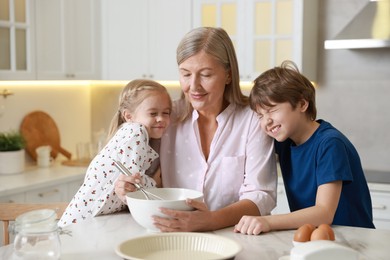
{"x":148,"y":195}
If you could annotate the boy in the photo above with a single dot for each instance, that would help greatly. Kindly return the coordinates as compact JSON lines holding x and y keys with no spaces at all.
{"x":321,"y":169}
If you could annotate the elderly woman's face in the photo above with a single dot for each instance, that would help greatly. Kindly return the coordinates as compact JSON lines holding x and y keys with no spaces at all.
{"x":203,"y":80}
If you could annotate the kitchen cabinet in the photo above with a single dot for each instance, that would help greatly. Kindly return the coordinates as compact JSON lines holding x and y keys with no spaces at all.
{"x":67,"y":39}
{"x":139,"y":38}
{"x":40,"y":185}
{"x":281,"y":200}
{"x":53,"y":193}
{"x":265,"y":32}
{"x":14,"y":198}
{"x":380,"y":197}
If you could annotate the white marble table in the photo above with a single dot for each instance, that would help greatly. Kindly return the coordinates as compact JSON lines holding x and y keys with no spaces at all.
{"x":97,"y":238}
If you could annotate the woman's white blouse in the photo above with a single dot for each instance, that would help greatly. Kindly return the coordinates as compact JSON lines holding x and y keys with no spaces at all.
{"x":96,"y":196}
{"x":241,"y":163}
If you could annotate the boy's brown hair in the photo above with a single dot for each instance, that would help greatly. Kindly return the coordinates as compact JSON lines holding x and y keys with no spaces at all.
{"x":283,"y":84}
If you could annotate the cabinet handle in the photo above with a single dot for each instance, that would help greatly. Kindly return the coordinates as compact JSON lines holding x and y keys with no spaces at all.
{"x":47,"y":193}
{"x":379,"y":206}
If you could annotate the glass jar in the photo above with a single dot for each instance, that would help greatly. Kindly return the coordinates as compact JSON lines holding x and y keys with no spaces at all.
{"x":37,"y":235}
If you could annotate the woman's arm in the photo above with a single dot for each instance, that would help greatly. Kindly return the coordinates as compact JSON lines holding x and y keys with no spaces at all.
{"x":202,"y":219}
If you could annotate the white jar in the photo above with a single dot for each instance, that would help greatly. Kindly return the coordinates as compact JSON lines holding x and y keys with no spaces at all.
{"x":37,"y":235}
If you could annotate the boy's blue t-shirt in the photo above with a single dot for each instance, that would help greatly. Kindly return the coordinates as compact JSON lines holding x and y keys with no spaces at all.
{"x":325,"y":157}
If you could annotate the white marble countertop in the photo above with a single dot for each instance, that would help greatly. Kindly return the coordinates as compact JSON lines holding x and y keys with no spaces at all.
{"x":97,"y":239}
{"x":35,"y":178}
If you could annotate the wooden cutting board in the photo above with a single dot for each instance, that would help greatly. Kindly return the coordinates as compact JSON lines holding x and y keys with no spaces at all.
{"x":38,"y":128}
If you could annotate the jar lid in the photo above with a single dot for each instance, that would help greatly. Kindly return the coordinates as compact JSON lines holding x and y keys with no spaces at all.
{"x":37,"y":221}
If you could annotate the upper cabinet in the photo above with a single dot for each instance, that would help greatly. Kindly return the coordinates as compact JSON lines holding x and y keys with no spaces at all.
{"x":49,"y":39}
{"x":67,"y":39}
{"x":139,"y":38}
{"x":265,"y":32}
{"x":16,"y":40}
{"x":127,"y":39}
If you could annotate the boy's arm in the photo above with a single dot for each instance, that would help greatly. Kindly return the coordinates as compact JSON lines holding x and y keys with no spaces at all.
{"x":327,"y":200}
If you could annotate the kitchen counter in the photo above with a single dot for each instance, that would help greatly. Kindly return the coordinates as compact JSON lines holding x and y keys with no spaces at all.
{"x":36,"y":178}
{"x":98,"y":237}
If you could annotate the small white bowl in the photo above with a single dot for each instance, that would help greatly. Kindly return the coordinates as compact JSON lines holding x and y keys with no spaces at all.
{"x":323,"y":249}
{"x":295,"y":243}
{"x":142,"y":209}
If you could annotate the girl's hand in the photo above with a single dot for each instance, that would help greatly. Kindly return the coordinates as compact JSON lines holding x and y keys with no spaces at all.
{"x":125,"y":184}
{"x":185,"y":221}
{"x":252,"y":225}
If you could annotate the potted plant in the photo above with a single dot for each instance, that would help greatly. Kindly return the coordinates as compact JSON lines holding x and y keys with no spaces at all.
{"x":12,"y":159}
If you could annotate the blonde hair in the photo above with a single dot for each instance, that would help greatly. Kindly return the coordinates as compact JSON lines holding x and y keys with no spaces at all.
{"x":215,"y":42}
{"x":131,"y":97}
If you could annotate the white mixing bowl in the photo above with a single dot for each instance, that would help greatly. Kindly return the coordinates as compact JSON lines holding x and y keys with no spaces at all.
{"x":142,"y":209}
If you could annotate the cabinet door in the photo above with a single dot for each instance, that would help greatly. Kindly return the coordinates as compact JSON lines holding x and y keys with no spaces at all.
{"x":55,"y":193}
{"x":16,"y":40}
{"x":168,"y":21}
{"x":265,"y":32}
{"x":282,"y":206}
{"x":140,"y":38}
{"x":381,"y":209}
{"x":16,"y":198}
{"x":225,"y":14}
{"x":72,"y":188}
{"x":67,"y":39}
{"x":124,"y":36}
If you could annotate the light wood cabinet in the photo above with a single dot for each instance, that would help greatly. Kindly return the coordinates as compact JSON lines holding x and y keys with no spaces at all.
{"x":67,"y":39}
{"x":140,"y":38}
{"x":265,"y":32}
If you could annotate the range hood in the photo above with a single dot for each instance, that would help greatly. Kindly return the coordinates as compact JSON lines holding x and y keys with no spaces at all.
{"x":370,"y":28}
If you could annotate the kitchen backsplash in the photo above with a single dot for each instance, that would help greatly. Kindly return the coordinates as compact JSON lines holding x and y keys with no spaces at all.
{"x":68,"y":105}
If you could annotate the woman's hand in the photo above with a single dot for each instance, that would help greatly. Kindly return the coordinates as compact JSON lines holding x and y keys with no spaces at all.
{"x":252,"y":225}
{"x":185,"y":221}
{"x":125,"y":184}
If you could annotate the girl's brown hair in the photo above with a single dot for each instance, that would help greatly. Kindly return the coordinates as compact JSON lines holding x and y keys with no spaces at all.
{"x":283,"y":84}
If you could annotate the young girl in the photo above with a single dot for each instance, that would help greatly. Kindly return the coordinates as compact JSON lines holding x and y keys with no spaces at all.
{"x":321,"y":169}
{"x":144,"y":112}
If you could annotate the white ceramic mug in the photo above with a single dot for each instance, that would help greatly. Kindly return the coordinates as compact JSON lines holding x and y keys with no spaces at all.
{"x":43,"y":156}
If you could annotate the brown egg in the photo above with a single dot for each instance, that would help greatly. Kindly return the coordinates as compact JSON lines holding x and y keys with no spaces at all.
{"x":319,"y":234}
{"x":329,"y":230}
{"x":303,"y":233}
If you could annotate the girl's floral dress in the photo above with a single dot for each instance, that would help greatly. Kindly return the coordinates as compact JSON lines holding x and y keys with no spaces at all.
{"x":96,"y":196}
